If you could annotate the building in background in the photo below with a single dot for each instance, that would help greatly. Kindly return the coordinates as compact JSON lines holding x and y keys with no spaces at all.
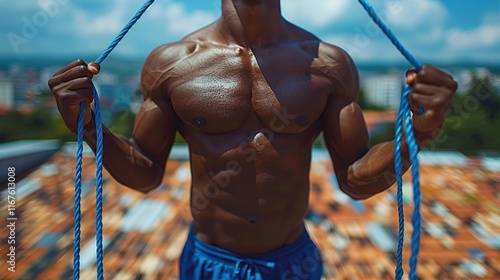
{"x":383,"y":90}
{"x":6,"y":94}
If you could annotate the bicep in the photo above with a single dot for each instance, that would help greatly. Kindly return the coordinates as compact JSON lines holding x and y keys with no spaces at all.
{"x":155,"y":125}
{"x":155,"y":129}
{"x":345,"y":133}
{"x":344,"y":128}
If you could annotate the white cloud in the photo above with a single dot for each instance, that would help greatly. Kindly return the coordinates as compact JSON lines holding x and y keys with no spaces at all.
{"x":413,"y":15}
{"x":485,"y":35}
{"x":104,"y":24}
{"x":82,"y":28}
{"x":316,"y":14}
{"x":180,"y":22}
{"x":420,"y":26}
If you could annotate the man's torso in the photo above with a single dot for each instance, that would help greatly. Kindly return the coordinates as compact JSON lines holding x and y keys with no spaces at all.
{"x":250,"y":117}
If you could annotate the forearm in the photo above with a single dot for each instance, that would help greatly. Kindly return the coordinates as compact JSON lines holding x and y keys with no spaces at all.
{"x":125,"y":161}
{"x":375,"y":172}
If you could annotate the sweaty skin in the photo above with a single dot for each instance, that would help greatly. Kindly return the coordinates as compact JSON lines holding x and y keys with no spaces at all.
{"x":250,"y":93}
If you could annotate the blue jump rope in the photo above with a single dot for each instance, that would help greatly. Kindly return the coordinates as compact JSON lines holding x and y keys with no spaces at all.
{"x":403,"y":123}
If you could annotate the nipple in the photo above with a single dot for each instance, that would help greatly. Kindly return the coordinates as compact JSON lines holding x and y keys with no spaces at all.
{"x":199,"y":122}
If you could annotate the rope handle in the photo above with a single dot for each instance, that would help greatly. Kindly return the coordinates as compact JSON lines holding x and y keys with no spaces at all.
{"x":99,"y":163}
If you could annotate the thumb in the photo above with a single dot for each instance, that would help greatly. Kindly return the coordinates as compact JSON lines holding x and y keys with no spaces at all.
{"x":411,"y":76}
{"x":94,"y":68}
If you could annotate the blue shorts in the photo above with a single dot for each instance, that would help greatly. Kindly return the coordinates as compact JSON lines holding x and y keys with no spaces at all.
{"x":299,"y":260}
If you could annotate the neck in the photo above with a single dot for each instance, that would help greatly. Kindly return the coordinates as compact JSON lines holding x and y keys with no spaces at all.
{"x":251,"y":23}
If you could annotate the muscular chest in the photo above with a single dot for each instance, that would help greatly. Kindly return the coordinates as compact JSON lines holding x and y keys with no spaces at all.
{"x":223,"y":90}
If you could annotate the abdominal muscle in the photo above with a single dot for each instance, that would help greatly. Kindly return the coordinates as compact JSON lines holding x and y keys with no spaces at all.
{"x":252,"y":198}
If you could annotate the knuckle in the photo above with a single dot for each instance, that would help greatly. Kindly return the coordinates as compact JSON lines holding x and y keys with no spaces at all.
{"x":65,"y":97}
{"x":86,"y":80}
{"x":424,"y":71}
{"x":82,"y":70}
{"x":418,"y":87}
{"x":440,"y":99}
{"x":51,"y":83}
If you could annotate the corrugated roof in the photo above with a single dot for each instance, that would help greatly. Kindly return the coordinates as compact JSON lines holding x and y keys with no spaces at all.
{"x":145,"y":233}
{"x":440,"y":158}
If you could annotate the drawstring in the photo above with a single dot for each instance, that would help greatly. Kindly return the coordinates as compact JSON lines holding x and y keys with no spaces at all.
{"x":253,"y":266}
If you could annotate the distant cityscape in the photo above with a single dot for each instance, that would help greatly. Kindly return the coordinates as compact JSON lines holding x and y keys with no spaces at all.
{"x":22,"y":84}
{"x":460,"y":196}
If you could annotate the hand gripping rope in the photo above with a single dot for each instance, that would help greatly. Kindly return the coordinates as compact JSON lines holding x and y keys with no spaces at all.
{"x":403,"y":121}
{"x":98,"y":159}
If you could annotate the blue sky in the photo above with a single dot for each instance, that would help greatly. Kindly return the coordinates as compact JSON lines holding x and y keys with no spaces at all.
{"x":435,"y":31}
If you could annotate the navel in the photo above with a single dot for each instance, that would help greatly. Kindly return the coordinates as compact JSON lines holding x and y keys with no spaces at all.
{"x":257,"y":135}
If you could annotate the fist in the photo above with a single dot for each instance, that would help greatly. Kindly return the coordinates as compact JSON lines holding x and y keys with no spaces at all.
{"x":432,"y":90}
{"x":71,"y":85}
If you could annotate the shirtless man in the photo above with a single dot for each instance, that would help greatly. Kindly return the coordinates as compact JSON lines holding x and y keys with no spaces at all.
{"x":250,"y":93}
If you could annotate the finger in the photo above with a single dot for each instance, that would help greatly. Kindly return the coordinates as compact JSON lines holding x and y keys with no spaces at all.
{"x":83,"y":83}
{"x":86,"y":96}
{"x":75,"y":97}
{"x":94,"y":68}
{"x":437,"y":98}
{"x":437,"y":70}
{"x":435,"y":76}
{"x":69,"y":66}
{"x":428,"y":122}
{"x":411,"y":75}
{"x":77,"y":71}
{"x":428,"y":103}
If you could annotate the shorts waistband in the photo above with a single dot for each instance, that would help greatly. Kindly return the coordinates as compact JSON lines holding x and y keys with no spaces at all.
{"x":266,"y":259}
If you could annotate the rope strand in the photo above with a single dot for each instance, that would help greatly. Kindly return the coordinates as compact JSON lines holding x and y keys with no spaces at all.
{"x":404,"y":119}
{"x":124,"y":31}
{"x":98,"y":191}
{"x":99,"y":162}
{"x":78,"y":191}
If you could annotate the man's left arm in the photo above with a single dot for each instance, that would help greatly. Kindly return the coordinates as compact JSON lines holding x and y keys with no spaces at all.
{"x":362,"y":171}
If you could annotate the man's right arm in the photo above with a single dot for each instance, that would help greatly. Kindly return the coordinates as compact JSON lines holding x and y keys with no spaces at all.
{"x":139,"y":162}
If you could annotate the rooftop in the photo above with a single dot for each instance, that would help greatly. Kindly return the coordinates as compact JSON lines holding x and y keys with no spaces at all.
{"x":144,"y":234}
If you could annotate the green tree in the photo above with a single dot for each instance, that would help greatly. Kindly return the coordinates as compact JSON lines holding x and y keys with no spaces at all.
{"x":39,"y":124}
{"x":472,"y":124}
{"x":473,"y":121}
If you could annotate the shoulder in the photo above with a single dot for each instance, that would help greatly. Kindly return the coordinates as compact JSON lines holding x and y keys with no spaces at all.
{"x":168,"y":55}
{"x":338,"y":66}
{"x":328,"y":51}
{"x":161,"y":62}
{"x":157,"y":68}
{"x":176,"y":51}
